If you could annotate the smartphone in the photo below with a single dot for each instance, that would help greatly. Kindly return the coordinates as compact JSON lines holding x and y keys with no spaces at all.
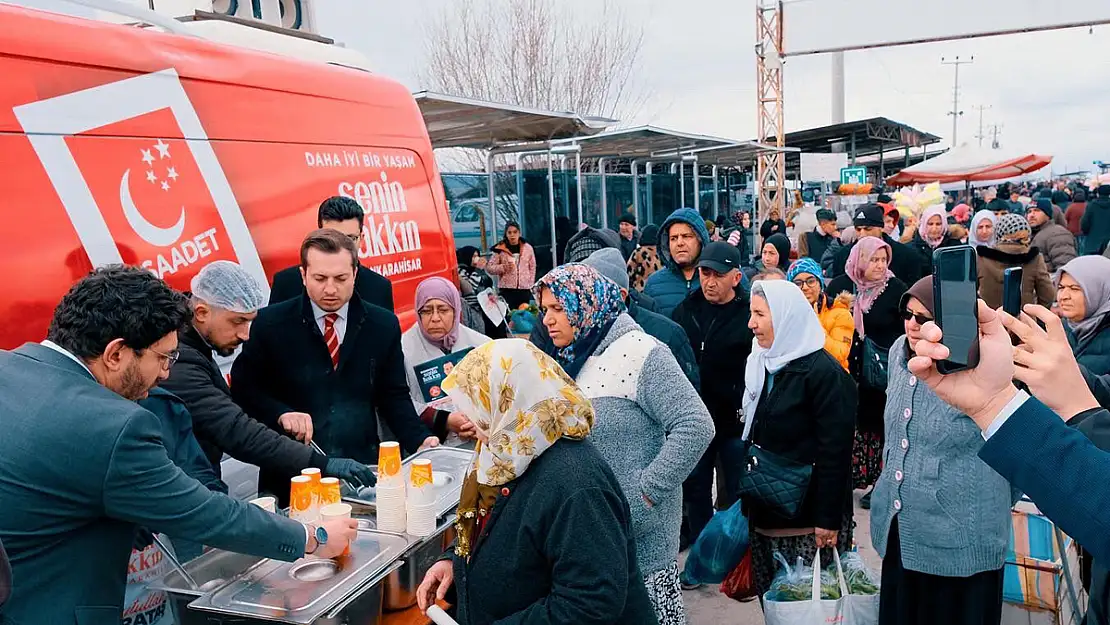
{"x":1011,"y":291}
{"x":956,"y":300}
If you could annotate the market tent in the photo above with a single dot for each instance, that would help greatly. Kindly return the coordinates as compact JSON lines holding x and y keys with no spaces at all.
{"x":970,"y":164}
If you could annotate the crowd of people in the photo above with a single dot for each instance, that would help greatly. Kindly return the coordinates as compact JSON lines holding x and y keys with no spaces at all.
{"x":675,"y":371}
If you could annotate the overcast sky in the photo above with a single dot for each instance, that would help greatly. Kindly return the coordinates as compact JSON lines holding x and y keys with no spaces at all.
{"x":698,"y":64}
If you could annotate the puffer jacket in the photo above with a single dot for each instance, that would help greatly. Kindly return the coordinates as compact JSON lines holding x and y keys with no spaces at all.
{"x":669,"y":286}
{"x":1036,"y":283}
{"x":836,"y":319}
{"x":1056,"y":243}
{"x":1093,"y":352}
{"x":514,"y":273}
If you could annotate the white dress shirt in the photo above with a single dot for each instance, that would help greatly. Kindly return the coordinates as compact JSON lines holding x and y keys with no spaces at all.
{"x":1008,"y":411}
{"x":340,"y":323}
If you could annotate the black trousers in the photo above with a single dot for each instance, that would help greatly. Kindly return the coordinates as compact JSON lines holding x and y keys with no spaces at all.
{"x":912,"y":598}
{"x":515,"y":298}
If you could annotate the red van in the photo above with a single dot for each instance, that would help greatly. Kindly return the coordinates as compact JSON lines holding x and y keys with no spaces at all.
{"x":122,"y":144}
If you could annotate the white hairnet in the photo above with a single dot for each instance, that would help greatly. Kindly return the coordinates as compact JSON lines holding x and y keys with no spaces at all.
{"x":226,"y":285}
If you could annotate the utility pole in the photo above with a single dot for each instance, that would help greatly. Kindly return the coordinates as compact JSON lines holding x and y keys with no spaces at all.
{"x":981,"y":136}
{"x":996,"y":129}
{"x":956,"y":112}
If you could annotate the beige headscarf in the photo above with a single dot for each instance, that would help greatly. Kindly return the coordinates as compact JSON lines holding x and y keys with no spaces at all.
{"x":522,"y":402}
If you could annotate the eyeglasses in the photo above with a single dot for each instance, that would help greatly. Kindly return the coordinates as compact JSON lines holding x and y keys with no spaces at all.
{"x":804,"y":282}
{"x":921,"y":320}
{"x":170,"y":359}
{"x":355,"y":237}
{"x":431,"y":312}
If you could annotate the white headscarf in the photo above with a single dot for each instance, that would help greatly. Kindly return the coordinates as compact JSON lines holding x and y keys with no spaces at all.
{"x":798,"y":333}
{"x":972,"y":237}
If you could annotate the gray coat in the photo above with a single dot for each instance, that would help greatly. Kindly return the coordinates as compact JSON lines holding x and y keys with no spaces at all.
{"x":80,"y":467}
{"x":953,"y":510}
{"x":651,"y":427}
{"x":1057,"y":243}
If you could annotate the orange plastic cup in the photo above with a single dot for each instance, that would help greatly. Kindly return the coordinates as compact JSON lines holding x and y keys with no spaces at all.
{"x":389,"y":460}
{"x":301,"y":499}
{"x":315,"y":475}
{"x":329,"y":491}
{"x":420,"y":473}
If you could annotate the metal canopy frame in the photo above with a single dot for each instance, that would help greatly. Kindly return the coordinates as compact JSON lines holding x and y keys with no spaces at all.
{"x":864,"y":137}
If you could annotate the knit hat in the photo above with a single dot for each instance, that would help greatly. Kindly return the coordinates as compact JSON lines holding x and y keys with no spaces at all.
{"x":610,"y":264}
{"x":1104,"y":190}
{"x":649,"y":235}
{"x":806,"y":265}
{"x":1044,"y":205}
{"x":1009,"y":225}
{"x":589,"y":240}
{"x":998,"y":205}
{"x":628,"y":219}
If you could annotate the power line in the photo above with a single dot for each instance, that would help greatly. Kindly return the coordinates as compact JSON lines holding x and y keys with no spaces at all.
{"x":956,"y":112}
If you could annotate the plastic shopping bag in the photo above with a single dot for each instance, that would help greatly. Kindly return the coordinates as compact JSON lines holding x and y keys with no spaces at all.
{"x":719,"y":547}
{"x":782,"y":607}
{"x":740,"y":583}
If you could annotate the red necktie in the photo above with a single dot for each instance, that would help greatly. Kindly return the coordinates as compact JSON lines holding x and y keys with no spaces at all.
{"x":331,"y":338}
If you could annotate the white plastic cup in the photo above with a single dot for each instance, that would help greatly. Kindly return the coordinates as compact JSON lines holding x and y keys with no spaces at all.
{"x":269,"y":504}
{"x":336,"y":511}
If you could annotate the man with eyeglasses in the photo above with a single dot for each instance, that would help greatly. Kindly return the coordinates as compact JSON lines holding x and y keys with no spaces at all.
{"x":323,"y":367}
{"x":225,"y":299}
{"x":82,"y":465}
{"x":715,"y":318}
{"x":343,"y":215}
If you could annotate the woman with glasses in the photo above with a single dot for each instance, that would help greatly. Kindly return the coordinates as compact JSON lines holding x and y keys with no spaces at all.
{"x":875,"y":295}
{"x":940,"y":517}
{"x":835,"y":314}
{"x":438,"y":333}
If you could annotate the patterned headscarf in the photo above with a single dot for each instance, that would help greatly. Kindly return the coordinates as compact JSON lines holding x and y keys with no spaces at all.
{"x":592,"y":303}
{"x":522,"y":403}
{"x":806,"y":265}
{"x":867,"y":291}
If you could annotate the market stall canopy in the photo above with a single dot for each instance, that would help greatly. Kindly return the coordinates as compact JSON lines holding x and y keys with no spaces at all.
{"x":458,"y":122}
{"x":864,"y":137}
{"x":645,"y":142}
{"x":971,"y":164}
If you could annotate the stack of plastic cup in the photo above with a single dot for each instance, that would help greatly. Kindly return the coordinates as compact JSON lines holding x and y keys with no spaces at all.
{"x":314,"y":476}
{"x":421,"y":499}
{"x":390,"y":490}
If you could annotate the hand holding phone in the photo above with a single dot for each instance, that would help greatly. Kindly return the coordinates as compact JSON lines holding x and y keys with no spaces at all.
{"x":956,"y":300}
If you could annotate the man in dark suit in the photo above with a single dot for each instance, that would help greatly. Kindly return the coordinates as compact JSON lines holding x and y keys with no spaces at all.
{"x":905,"y":262}
{"x":5,"y":576}
{"x":343,"y":215}
{"x":82,"y":464}
{"x":225,"y":300}
{"x":322,"y":366}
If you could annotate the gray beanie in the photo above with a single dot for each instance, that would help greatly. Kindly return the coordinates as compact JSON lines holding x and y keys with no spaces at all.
{"x":1010,"y":224}
{"x":610,"y":263}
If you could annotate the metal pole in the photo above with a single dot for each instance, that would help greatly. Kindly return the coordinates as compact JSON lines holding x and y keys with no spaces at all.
{"x":578,"y":182}
{"x":853,"y":154}
{"x":650,"y":208}
{"x":491,"y":190}
{"x":636,"y":190}
{"x":716,"y":195}
{"x":565,"y":187}
{"x":838,"y":88}
{"x":604,"y":199}
{"x":697,"y":183}
{"x":520,"y":193}
{"x":956,"y":112}
{"x":551,"y":210}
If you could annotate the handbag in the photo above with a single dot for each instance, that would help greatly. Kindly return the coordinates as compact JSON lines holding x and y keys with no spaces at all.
{"x":874,"y":365}
{"x":775,"y":482}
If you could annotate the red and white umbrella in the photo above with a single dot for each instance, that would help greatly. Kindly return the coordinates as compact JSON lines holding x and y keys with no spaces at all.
{"x":970,"y":164}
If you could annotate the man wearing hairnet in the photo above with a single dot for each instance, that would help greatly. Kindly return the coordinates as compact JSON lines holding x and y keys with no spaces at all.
{"x":225,"y":299}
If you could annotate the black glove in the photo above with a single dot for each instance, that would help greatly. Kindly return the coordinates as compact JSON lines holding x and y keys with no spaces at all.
{"x":351,"y":471}
{"x":143,"y":539}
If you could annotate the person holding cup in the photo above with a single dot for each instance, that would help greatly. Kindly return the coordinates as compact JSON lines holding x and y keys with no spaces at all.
{"x":544,"y":529}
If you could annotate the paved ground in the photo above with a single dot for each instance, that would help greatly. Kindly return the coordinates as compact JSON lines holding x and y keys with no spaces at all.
{"x":708,"y":606}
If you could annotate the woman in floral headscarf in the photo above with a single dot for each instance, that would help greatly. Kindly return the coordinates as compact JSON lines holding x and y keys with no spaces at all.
{"x":878,"y":324}
{"x":651,"y":425}
{"x":544,"y":532}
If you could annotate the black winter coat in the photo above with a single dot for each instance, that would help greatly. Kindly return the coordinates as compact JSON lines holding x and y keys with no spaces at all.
{"x":719,"y":343}
{"x":369,"y":285}
{"x":558,"y":548}
{"x":220,"y":425}
{"x":285,"y":367}
{"x":1094,"y":351}
{"x":883,"y":324}
{"x":921,"y":247}
{"x":772,"y":226}
{"x":905,"y":262}
{"x":809,"y":416}
{"x":1096,"y":226}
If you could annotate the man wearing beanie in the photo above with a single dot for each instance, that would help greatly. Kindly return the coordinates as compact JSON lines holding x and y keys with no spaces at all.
{"x":1052,"y":239}
{"x":609,"y":263}
{"x":813,"y":244}
{"x":589,"y":240}
{"x":629,"y":236}
{"x":715,"y":317}
{"x":1095,"y":224}
{"x":867,"y":219}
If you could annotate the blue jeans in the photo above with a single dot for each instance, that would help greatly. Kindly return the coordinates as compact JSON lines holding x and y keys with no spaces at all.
{"x":697,"y":490}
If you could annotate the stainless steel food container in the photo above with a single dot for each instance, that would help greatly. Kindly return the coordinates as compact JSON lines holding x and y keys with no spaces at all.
{"x":400,"y":586}
{"x":449,"y":467}
{"x":210,"y":570}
